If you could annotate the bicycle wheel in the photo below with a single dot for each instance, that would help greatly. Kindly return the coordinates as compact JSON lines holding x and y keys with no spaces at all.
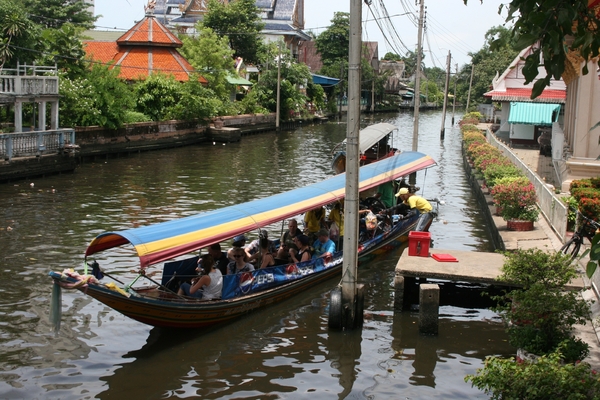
{"x":572,"y":247}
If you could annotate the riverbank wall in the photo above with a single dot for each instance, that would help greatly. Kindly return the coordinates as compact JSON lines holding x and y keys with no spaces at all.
{"x":95,"y":142}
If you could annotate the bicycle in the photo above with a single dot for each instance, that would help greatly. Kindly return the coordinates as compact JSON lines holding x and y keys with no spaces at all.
{"x":586,"y":229}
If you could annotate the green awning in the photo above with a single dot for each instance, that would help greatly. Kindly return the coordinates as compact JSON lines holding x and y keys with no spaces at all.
{"x":533,"y":113}
{"x":238,"y":80}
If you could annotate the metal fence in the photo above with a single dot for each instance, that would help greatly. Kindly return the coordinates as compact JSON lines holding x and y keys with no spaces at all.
{"x":550,"y":204}
{"x":36,"y":143}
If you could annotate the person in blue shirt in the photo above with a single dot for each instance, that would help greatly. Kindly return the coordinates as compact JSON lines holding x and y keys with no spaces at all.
{"x":323,"y":247}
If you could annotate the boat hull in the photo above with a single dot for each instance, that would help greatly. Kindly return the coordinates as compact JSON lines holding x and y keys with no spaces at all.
{"x":158,"y":308}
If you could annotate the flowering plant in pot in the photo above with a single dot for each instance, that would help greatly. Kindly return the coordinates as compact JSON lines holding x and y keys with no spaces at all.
{"x":516,"y":198}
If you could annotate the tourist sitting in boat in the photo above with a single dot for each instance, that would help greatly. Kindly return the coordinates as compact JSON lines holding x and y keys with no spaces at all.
{"x":253,"y":249}
{"x":323,"y":246}
{"x":240,"y":264}
{"x":207,"y":287}
{"x":314,"y":220}
{"x":414,"y":201}
{"x":219,"y":256}
{"x":303,"y":252}
{"x":238,"y":243}
{"x":266,"y":258}
{"x":336,"y":223}
{"x":287,"y":241}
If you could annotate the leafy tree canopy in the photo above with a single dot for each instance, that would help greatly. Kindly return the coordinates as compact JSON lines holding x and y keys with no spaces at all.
{"x":550,"y":23}
{"x":211,"y":56}
{"x":56,"y":13}
{"x":392,"y":57}
{"x":333,"y":42}
{"x":240,"y":23}
{"x":17,"y":34}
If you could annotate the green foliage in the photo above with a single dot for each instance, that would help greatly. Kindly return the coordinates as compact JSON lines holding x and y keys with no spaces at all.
{"x":98,"y":97}
{"x":541,"y":314}
{"x":496,"y":171}
{"x":17,"y":33}
{"x":392,"y":57}
{"x":54,"y":13}
{"x":131,"y":117}
{"x":547,"y":378}
{"x":157,"y":95}
{"x":62,"y":46}
{"x":211,"y":55}
{"x":333,"y":42}
{"x":571,"y":203}
{"x":526,"y":268}
{"x":238,"y":22}
{"x":197,"y":102}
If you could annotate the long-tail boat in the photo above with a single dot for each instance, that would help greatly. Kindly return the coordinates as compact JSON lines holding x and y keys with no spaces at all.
{"x":168,"y":245}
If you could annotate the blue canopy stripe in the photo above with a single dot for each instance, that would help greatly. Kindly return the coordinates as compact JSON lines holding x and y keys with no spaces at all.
{"x":533,"y":113}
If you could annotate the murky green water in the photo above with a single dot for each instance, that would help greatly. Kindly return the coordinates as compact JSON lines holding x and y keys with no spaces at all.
{"x":285,"y":351}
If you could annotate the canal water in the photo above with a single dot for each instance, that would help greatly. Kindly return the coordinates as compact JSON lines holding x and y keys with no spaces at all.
{"x":284,"y":351}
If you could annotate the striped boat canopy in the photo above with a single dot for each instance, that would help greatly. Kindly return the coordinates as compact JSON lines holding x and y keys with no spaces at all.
{"x":163,"y":241}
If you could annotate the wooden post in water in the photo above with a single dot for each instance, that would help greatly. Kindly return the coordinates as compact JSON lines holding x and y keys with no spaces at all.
{"x":277,"y":107}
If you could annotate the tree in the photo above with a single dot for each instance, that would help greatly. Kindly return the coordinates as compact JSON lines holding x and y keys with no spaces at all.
{"x":55,"y":13}
{"x":494,"y":57}
{"x":240,"y":23}
{"x":552,"y":24}
{"x":63,"y":47}
{"x":197,"y":102}
{"x":293,"y":75}
{"x":17,"y":33}
{"x":157,"y":95}
{"x":211,"y":56}
{"x":392,"y":57}
{"x":98,"y":97}
{"x":333,"y":43}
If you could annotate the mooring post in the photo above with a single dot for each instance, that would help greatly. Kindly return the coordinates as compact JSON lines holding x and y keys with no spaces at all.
{"x":399,"y":292}
{"x":429,"y":305}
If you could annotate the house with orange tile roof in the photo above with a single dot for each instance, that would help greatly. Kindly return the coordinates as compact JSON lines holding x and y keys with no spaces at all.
{"x":523,"y":119}
{"x":147,"y":48}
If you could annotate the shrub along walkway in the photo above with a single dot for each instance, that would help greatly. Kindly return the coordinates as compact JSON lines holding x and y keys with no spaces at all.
{"x":542,"y":165}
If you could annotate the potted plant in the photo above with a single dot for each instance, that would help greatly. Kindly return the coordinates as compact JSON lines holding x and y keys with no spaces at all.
{"x":516,"y":198}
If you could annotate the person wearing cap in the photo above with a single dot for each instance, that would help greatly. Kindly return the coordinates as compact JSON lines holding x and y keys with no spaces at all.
{"x":239,"y":241}
{"x":414,"y":201}
{"x":323,"y":246}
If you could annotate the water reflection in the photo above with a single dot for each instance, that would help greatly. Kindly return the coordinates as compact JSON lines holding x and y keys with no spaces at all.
{"x":283,"y":351}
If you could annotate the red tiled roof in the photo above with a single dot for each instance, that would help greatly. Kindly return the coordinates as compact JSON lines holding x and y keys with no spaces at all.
{"x":524,"y":94}
{"x":143,"y":50}
{"x":149,"y":32}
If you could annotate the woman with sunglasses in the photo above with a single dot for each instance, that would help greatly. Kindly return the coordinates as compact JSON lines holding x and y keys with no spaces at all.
{"x":240,"y":264}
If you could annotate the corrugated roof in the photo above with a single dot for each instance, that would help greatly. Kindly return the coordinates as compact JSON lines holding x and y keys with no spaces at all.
{"x":524,"y":94}
{"x":533,"y":113}
{"x":238,"y":80}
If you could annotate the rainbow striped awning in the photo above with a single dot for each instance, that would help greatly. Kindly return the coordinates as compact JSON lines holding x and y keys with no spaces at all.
{"x":166,"y":240}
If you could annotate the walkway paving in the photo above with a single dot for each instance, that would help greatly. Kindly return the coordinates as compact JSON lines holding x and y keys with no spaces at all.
{"x":542,"y":166}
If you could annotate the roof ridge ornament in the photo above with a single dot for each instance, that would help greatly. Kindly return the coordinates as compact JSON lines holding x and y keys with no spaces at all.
{"x":149,"y":8}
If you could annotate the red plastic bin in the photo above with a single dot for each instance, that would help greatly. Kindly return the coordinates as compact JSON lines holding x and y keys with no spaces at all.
{"x":418,"y":243}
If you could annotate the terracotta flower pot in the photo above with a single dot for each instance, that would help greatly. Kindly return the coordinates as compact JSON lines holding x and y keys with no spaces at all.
{"x":517,"y":225}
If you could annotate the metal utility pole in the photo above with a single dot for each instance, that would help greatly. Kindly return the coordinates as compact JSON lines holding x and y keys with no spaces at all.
{"x":454,"y":100}
{"x":470,"y":84}
{"x":278,"y":88}
{"x":412,"y":179}
{"x":443,"y":130}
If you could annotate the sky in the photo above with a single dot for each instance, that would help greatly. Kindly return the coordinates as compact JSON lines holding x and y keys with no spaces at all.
{"x":450,"y":25}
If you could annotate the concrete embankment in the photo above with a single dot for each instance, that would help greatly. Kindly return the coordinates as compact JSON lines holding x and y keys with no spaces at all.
{"x":97,"y":142}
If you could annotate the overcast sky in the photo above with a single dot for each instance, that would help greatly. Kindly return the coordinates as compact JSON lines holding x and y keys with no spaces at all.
{"x":451,"y":26}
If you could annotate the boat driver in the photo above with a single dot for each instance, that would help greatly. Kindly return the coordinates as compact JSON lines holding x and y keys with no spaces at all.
{"x":414,"y":201}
